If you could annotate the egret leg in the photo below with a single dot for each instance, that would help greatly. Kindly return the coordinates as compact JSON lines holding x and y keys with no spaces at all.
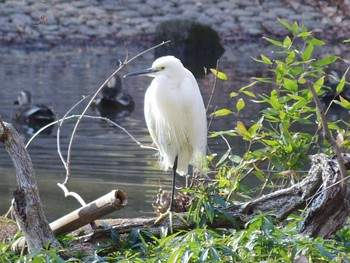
{"x":171,"y":206}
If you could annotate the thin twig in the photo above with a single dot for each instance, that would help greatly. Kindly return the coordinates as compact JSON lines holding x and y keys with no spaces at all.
{"x":65,"y":163}
{"x":73,"y":194}
{"x":214,"y":87}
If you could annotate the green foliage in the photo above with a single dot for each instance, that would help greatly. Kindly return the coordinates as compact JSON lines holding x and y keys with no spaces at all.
{"x":273,"y":141}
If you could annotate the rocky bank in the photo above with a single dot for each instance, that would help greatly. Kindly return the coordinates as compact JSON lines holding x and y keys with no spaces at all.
{"x":107,"y":21}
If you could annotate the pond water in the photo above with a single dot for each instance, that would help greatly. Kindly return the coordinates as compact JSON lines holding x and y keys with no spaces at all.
{"x":103,"y":157}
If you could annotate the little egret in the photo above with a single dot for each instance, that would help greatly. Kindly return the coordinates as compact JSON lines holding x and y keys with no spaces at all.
{"x":175,"y":116}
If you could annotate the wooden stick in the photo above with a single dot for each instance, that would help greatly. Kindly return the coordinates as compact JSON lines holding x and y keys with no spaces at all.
{"x":102,"y":206}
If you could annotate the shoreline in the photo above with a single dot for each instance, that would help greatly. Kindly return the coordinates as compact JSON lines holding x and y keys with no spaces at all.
{"x":108,"y":22}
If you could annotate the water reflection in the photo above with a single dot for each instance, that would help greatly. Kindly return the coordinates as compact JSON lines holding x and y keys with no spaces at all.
{"x":103,"y":156}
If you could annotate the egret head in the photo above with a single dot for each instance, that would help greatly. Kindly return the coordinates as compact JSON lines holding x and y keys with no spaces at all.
{"x":167,"y":65}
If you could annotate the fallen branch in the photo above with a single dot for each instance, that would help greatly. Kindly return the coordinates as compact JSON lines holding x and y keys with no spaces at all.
{"x":104,"y":205}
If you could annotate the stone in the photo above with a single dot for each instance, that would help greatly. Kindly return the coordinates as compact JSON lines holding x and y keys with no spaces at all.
{"x":196,"y":45}
{"x":21,"y":20}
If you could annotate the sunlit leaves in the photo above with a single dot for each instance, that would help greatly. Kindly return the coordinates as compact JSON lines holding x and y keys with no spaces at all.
{"x":222,"y":112}
{"x":275,"y":42}
{"x":290,"y":57}
{"x":318,"y":85}
{"x":292,"y":28}
{"x":325,"y":61}
{"x":219,"y":74}
{"x":242,"y":130}
{"x":306,"y":55}
{"x":344,"y":103}
{"x":287,"y":42}
{"x":264,"y":60}
{"x":342,"y":82}
{"x":240,"y":104}
{"x":316,"y":42}
{"x":290,"y":84}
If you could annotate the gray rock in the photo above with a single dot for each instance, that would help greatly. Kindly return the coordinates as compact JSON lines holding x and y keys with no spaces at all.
{"x":21,"y":20}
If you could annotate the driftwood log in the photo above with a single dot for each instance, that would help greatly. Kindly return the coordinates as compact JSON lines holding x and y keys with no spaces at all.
{"x":28,"y":211}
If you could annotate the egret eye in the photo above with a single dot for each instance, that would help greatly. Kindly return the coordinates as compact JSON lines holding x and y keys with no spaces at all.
{"x":161,"y":68}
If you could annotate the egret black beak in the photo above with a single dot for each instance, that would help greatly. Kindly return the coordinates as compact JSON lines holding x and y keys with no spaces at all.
{"x":148,"y":71}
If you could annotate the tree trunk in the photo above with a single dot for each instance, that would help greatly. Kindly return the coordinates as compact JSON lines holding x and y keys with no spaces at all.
{"x":27,"y":205}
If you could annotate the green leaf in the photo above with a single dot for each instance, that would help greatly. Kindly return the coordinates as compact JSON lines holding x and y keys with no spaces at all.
{"x":306,"y":55}
{"x":324,"y":252}
{"x":270,"y":142}
{"x":341,"y":85}
{"x":346,"y":41}
{"x":286,"y":24}
{"x":240,"y":104}
{"x":219,"y":74}
{"x":325,"y":61}
{"x":260,"y":175}
{"x":242,"y":130}
{"x":248,"y":86}
{"x":224,"y":157}
{"x":222,"y":112}
{"x":233,"y":94}
{"x":316,"y":42}
{"x":290,"y":84}
{"x":318,"y":85}
{"x":267,"y":80}
{"x":344,"y":103}
{"x":210,"y":212}
{"x":304,"y":34}
{"x":249,"y":93}
{"x":295,"y":28}
{"x":266,"y":59}
{"x":287,"y":42}
{"x":275,"y":42}
{"x":290,"y":57}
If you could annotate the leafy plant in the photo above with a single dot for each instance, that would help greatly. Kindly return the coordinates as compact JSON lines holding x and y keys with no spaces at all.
{"x":274,"y":144}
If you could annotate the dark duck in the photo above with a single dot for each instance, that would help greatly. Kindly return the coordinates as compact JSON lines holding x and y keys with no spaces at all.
{"x":31,"y":117}
{"x":113,"y":102}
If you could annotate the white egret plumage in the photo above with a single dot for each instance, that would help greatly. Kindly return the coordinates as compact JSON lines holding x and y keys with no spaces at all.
{"x":175,"y":116}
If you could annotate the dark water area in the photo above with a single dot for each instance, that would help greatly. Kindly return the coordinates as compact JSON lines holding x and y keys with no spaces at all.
{"x":103,"y":157}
